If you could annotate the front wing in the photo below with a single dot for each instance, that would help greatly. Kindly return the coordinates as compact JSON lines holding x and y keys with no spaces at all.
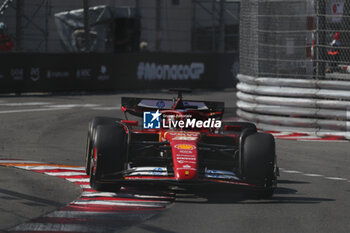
{"x":159,"y":176}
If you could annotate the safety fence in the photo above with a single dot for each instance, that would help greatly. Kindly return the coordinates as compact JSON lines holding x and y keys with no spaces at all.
{"x":42,"y":72}
{"x":295,"y":38}
{"x":294,"y":64}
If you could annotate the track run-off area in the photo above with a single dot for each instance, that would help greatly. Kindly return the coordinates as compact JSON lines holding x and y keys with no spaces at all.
{"x":44,"y":187}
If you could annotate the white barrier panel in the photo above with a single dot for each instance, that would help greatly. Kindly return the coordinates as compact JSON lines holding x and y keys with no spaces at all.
{"x":293,"y":92}
{"x":288,"y":101}
{"x":293,"y":111}
{"x":295,"y":122}
{"x":314,"y":105}
{"x":289,"y":82}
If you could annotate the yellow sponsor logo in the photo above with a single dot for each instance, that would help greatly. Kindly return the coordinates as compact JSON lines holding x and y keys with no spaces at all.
{"x":185,"y":147}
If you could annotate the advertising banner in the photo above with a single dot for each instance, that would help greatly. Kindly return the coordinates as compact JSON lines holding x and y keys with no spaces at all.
{"x":109,"y":72}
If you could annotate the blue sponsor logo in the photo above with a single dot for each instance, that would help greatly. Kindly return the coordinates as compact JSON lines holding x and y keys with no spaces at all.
{"x":157,"y":171}
{"x":213,"y":173}
{"x":160,"y":104}
{"x":151,"y":120}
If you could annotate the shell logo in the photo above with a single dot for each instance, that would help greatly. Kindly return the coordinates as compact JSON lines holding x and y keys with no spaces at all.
{"x":185,"y":147}
{"x":184,"y":138}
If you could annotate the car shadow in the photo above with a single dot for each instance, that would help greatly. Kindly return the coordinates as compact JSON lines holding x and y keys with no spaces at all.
{"x":292,"y":182}
{"x":282,"y":195}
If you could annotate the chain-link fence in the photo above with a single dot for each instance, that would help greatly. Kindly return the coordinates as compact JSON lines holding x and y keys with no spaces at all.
{"x":333,"y":38}
{"x":122,"y":25}
{"x":215,"y":25}
{"x":294,"y":65}
{"x":295,"y":38}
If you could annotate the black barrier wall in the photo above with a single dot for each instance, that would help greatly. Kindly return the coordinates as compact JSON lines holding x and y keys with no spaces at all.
{"x":109,"y":72}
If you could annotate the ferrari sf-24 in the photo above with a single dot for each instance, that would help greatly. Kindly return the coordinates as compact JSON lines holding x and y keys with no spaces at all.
{"x":181,"y":143}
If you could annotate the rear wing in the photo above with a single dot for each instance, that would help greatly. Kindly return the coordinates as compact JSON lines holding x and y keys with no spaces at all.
{"x":136,"y":106}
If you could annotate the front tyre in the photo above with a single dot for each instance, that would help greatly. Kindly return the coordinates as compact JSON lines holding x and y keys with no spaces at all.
{"x":96,"y":121}
{"x":109,"y":156}
{"x":259,"y":162}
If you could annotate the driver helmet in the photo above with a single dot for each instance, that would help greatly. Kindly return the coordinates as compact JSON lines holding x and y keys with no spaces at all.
{"x":3,"y":27}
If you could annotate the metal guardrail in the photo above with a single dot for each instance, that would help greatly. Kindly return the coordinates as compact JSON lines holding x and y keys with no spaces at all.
{"x":295,"y":104}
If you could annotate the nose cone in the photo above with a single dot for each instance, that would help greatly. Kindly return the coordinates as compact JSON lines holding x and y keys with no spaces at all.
{"x":185,"y":174}
{"x":185,"y":160}
{"x":184,"y":151}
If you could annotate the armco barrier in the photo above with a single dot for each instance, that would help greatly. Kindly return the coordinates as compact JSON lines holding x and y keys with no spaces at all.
{"x":23,"y":72}
{"x":295,"y":104}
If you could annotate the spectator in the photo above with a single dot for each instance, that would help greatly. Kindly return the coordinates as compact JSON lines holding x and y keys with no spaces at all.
{"x":143,"y":46}
{"x":333,"y":53}
{"x":6,"y":43}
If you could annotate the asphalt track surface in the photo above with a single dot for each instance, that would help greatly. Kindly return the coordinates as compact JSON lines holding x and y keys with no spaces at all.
{"x":313,"y":192}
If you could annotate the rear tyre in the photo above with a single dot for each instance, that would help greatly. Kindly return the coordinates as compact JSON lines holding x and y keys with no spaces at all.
{"x":259,"y":162}
{"x":96,"y":121}
{"x":109,"y":156}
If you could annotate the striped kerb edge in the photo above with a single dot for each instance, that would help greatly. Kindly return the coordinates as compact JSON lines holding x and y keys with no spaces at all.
{"x":93,"y":211}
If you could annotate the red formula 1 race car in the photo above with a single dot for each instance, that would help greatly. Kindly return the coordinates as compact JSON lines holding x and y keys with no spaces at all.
{"x":178,"y":143}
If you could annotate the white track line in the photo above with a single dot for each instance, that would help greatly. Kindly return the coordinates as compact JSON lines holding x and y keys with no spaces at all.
{"x":24,"y":104}
{"x":124,"y":195}
{"x":151,"y":196}
{"x":335,"y":178}
{"x":292,"y":172}
{"x":313,"y":175}
{"x":32,"y":110}
{"x":20,"y":161}
{"x":78,"y":180}
{"x":100,"y":194}
{"x":282,"y":134}
{"x":121,"y":203}
{"x":50,"y":107}
{"x":65,"y":173}
{"x":322,"y":140}
{"x":91,"y":214}
{"x":73,"y":106}
{"x":51,"y":168}
{"x":106,"y":108}
{"x":58,"y":227}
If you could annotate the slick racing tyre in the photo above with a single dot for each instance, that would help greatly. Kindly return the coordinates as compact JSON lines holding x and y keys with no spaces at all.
{"x":109,"y":156}
{"x":259,"y":162}
{"x":96,"y":121}
{"x":238,"y":126}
